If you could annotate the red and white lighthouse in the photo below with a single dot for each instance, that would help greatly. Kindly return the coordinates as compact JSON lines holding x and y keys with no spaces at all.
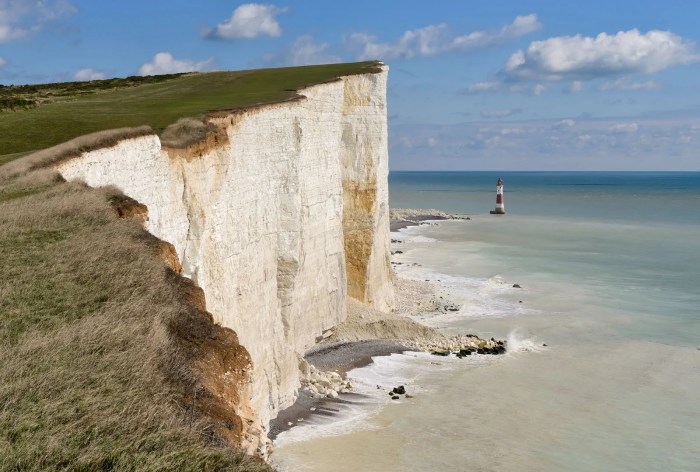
{"x":500,"y":209}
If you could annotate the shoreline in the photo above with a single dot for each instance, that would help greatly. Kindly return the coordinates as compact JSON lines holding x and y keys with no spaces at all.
{"x":341,"y":357}
{"x":400,"y":218}
{"x":368,"y":333}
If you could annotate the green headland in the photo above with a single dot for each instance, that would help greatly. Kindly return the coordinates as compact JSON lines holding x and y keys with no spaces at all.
{"x":34,"y":117}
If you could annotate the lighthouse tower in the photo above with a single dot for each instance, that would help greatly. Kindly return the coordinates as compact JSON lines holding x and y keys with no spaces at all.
{"x":500,"y":209}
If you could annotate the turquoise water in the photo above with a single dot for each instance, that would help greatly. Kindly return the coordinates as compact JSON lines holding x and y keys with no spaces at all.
{"x":671,"y":197}
{"x":609,"y":265}
{"x":631,"y":238}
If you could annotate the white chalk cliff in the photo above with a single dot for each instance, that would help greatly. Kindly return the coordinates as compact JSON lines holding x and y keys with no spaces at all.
{"x":278,"y":218}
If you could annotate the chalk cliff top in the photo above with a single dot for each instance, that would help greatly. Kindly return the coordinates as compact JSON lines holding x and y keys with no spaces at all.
{"x":34,"y":117}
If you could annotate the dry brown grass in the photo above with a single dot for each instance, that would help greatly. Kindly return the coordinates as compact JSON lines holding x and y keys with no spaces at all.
{"x":186,"y":132}
{"x":98,"y":341}
{"x":73,"y":148}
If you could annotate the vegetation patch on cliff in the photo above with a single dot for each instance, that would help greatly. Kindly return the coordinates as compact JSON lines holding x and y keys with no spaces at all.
{"x":102,"y":344}
{"x":60,"y":112}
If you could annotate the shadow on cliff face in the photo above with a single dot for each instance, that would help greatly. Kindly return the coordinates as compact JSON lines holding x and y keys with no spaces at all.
{"x":108,"y":358}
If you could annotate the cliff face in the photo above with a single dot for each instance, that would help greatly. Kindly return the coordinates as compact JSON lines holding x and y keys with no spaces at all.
{"x":278,"y":217}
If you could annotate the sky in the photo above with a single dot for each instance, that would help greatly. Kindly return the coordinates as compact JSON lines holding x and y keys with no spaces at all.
{"x":473,"y":85}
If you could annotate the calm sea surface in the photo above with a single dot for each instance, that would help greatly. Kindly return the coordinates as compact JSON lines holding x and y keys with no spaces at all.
{"x":609,"y":265}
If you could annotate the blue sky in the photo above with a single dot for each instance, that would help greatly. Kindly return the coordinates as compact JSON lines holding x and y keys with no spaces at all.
{"x":474,"y":85}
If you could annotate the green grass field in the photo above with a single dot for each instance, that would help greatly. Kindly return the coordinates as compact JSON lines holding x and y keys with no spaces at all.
{"x":77,"y":110}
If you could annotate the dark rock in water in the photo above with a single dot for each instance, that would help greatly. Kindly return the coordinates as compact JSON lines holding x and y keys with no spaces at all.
{"x":520,"y":301}
{"x":401,"y":390}
{"x":409,"y":396}
{"x":465,"y":352}
{"x":481,"y":351}
{"x":440,"y":353}
{"x":498,"y":350}
{"x":395,"y":397}
{"x":500,"y":343}
{"x":546,"y":346}
{"x":492,"y":339}
{"x":398,"y":252}
{"x":516,"y":286}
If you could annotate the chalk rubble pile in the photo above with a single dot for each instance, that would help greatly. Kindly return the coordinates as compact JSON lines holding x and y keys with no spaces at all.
{"x":322,"y":384}
{"x":462,"y":345}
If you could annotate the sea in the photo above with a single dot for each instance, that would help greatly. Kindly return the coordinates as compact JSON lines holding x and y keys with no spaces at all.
{"x":602,"y":371}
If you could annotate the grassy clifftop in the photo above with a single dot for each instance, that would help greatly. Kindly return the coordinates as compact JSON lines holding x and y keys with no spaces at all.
{"x":106,"y":362}
{"x":47,"y":115}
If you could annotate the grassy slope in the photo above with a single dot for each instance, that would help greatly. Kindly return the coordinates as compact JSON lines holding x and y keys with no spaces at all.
{"x":97,"y":339}
{"x":93,"y":363}
{"x":157,"y":105}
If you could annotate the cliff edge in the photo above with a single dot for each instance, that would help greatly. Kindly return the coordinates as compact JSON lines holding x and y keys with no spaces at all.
{"x":279,"y":214}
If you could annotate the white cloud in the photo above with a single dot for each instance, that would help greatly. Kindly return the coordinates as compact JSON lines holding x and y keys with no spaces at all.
{"x":582,"y":57}
{"x":590,"y":144}
{"x":538,"y":90}
{"x":89,"y":74}
{"x":576,"y":86}
{"x":249,"y":20}
{"x":21,"y":18}
{"x":480,"y":87}
{"x":622,"y":84}
{"x":165,"y":63}
{"x":500,"y":113}
{"x":437,"y":39}
{"x":304,"y":51}
{"x":563,"y":124}
{"x":507,"y":131}
{"x":622,"y":128}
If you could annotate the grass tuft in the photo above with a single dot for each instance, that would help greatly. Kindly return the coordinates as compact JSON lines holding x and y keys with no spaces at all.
{"x":74,"y":147}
